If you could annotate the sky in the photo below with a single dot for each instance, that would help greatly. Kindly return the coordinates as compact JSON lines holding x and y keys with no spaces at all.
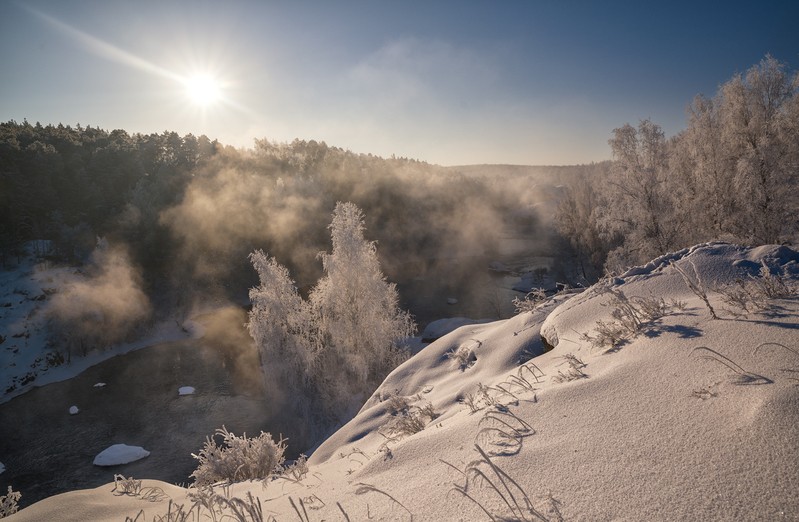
{"x":448,"y":82}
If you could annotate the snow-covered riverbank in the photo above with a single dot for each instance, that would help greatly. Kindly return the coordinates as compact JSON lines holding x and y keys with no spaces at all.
{"x":683,"y":417}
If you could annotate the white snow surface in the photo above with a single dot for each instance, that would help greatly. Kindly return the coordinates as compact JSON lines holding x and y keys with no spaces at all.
{"x":657,"y":429}
{"x":120,"y":454}
{"x":441,"y":327}
{"x":186,"y":390}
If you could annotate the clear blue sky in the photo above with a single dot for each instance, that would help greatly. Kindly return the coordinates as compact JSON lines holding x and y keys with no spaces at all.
{"x":449,"y":82}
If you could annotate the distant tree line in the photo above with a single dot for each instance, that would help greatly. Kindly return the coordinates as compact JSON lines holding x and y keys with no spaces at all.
{"x":71,"y":184}
{"x":732,"y":174}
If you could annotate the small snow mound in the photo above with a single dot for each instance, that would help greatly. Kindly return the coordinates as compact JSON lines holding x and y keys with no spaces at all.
{"x":100,"y":385}
{"x":120,"y":454}
{"x":73,"y":410}
{"x":186,"y":390}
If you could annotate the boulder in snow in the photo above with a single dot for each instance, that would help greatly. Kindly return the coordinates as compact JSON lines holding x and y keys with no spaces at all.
{"x":120,"y":454}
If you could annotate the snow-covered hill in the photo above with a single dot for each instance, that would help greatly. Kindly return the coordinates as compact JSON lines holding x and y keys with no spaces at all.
{"x":679,"y":417}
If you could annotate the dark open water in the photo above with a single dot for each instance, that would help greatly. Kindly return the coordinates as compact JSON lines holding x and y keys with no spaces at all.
{"x":47,"y":451}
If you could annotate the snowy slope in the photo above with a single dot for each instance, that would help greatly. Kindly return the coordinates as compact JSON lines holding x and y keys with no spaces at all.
{"x":692,"y":418}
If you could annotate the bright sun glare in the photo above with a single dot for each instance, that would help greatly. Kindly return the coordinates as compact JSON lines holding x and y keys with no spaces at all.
{"x":203,"y":89}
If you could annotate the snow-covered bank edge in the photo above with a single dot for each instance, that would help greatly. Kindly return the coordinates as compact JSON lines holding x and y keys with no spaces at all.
{"x":28,"y":359}
{"x":164,"y":332}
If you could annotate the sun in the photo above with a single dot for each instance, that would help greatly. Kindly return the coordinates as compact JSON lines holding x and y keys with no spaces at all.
{"x":203,"y":89}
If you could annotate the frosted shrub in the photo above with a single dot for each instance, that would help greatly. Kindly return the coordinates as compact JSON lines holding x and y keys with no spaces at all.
{"x":297,"y":470}
{"x":413,"y":420}
{"x":631,"y":316}
{"x":754,"y":294}
{"x":530,"y":301}
{"x":8,"y":503}
{"x":463,"y":357}
{"x":240,"y":458}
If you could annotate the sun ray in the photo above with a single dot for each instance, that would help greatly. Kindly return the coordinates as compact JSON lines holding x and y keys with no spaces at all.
{"x":105,"y":49}
{"x":204,"y":88}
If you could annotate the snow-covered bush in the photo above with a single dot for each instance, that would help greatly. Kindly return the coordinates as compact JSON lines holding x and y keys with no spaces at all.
{"x":755,"y":294}
{"x":8,"y":503}
{"x":631,"y":316}
{"x":530,"y":301}
{"x":327,"y":354}
{"x":240,"y":458}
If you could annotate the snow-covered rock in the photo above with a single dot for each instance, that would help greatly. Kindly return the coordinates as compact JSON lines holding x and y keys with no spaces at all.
{"x":120,"y":454}
{"x":73,"y":410}
{"x":186,"y":390}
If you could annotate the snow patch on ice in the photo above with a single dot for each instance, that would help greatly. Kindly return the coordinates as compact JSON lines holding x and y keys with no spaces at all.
{"x":120,"y":454}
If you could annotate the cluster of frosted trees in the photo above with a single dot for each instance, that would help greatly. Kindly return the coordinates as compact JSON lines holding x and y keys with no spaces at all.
{"x":732,"y":174}
{"x":324,"y":355}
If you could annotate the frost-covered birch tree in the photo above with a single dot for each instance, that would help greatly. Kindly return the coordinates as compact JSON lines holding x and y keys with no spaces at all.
{"x":757,"y":118}
{"x":639,"y":206}
{"x":327,"y":354}
{"x":732,"y":174}
{"x":737,"y":162}
{"x":357,"y":312}
{"x":282,"y":326}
